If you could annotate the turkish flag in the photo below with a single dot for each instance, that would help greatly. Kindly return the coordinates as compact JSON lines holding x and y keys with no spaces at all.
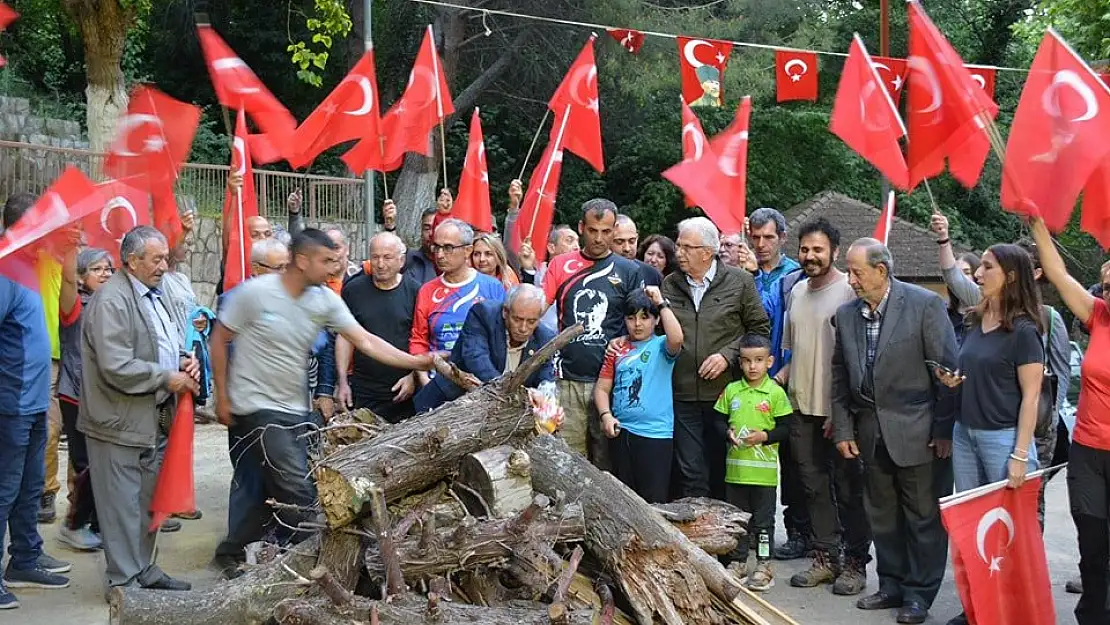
{"x":126,"y":206}
{"x":886,"y":221}
{"x":864,"y":117}
{"x":425,"y":103}
{"x":239,"y":89}
{"x":239,"y":206}
{"x":174,"y":492}
{"x":998,"y":555}
{"x":578,"y":93}
{"x":70,"y":198}
{"x":266,"y":148}
{"x":701,"y":179}
{"x":153,"y":139}
{"x":984,"y":77}
{"x":1058,"y":137}
{"x":1095,"y":217}
{"x":8,"y":15}
{"x":703,"y":63}
{"x":167,"y":217}
{"x":693,"y":143}
{"x":631,"y":40}
{"x":731,"y":148}
{"x":795,"y":75}
{"x":472,"y":204}
{"x":892,"y":72}
{"x":349,"y":112}
{"x":947,"y":110}
{"x":538,"y":207}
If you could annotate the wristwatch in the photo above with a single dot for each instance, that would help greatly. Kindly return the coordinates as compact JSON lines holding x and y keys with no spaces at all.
{"x":665,"y":304}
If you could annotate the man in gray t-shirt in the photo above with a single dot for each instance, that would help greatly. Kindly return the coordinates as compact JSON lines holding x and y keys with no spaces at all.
{"x":274,"y":320}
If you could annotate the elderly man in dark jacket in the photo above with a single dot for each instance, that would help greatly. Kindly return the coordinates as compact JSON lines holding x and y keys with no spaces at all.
{"x":495,"y":339}
{"x":716,"y":305}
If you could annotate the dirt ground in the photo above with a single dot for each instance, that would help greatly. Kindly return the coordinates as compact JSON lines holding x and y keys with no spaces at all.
{"x":186,"y":555}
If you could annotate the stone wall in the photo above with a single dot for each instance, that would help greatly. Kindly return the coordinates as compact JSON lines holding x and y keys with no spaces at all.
{"x":18,"y":123}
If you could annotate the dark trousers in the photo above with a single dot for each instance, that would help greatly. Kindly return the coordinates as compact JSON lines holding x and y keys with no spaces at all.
{"x":758,"y":501}
{"x":911,"y":547}
{"x":795,"y":513}
{"x":386,"y":409}
{"x":700,"y":447}
{"x":245,"y":497}
{"x":833,"y":490}
{"x":278,"y":459}
{"x":644,"y":464}
{"x":82,"y":505}
{"x":22,"y":477}
{"x":1088,"y":483}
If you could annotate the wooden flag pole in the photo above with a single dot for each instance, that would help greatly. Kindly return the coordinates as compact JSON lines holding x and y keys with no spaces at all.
{"x":439,"y":103}
{"x":547,"y":172}
{"x":535,"y":139}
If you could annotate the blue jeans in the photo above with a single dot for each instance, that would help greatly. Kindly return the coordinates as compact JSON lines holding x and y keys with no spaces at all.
{"x":22,"y":477}
{"x":982,"y":456}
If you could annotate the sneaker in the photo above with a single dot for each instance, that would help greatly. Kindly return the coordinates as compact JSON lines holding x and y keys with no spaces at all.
{"x":7,"y":599}
{"x":34,"y":578}
{"x":81,"y":539}
{"x":52,"y":565}
{"x":47,"y":513}
{"x":820,"y":571}
{"x":739,"y":570}
{"x":852,"y":579}
{"x":195,"y":515}
{"x":796,"y":546}
{"x":170,"y":526}
{"x":763,"y":578}
{"x":168,"y":583}
{"x":1074,"y":586}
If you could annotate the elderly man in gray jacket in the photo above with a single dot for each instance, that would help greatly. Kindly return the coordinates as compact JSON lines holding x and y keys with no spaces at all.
{"x":133,"y":368}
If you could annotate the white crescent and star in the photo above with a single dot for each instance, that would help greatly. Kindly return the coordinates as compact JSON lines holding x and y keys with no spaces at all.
{"x":992,"y":516}
{"x":232,"y":63}
{"x":439,"y":295}
{"x":795,"y":63}
{"x":572,"y":265}
{"x":128,"y":125}
{"x":1067,"y":77}
{"x":896,"y":81}
{"x":689,"y":49}
{"x":980,"y":80}
{"x":924,"y":68}
{"x":367,"y":97}
{"x":584,"y":74}
{"x":241,"y":149}
{"x":118,"y":202}
{"x":729,"y":155}
{"x":697,"y":140}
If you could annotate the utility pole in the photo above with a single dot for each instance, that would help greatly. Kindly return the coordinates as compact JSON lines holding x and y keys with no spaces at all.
{"x":368,"y":7}
{"x":884,"y":50}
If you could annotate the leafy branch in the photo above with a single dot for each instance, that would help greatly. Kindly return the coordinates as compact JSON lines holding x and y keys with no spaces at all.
{"x":330,"y":20}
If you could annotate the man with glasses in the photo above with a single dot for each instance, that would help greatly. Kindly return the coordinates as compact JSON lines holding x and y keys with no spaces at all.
{"x":443,"y":303}
{"x":716,"y":305}
{"x":384,"y":302}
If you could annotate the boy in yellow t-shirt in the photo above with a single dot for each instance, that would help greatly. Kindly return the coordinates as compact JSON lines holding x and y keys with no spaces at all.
{"x":758,"y":412}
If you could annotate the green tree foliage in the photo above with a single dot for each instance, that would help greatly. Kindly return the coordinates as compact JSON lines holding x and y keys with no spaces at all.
{"x":1085,"y":24}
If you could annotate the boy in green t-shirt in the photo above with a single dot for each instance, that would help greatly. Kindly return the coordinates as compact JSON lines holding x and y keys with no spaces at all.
{"x":758,"y":412}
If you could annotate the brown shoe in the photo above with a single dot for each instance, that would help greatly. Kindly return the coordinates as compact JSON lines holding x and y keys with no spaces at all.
{"x":819,"y":572}
{"x":853,"y":579}
{"x":763,"y":578}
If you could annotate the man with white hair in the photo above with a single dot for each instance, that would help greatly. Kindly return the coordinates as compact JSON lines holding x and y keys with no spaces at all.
{"x":384,"y":302}
{"x":495,"y":339}
{"x":716,"y":305}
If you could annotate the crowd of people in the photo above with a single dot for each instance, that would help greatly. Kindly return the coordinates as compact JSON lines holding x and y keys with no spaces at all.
{"x":710,"y":365}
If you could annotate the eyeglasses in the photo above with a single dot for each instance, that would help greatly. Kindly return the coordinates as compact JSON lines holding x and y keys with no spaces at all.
{"x":101,"y":270}
{"x":446,"y":249}
{"x":682,"y":247}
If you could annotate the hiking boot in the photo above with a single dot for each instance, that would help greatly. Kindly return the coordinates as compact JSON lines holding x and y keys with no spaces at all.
{"x":1074,"y":586}
{"x":763,"y":578}
{"x":796,"y":546}
{"x":52,"y":565}
{"x":7,"y":599}
{"x":80,"y":539}
{"x":37,"y":577}
{"x":47,"y":512}
{"x":821,"y":571}
{"x":739,"y":570}
{"x":852,"y":579}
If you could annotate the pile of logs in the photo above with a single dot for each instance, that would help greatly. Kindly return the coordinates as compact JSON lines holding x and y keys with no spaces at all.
{"x":467,"y":515}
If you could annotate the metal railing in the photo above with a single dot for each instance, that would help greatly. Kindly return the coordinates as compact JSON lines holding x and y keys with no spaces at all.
{"x":327,"y":199}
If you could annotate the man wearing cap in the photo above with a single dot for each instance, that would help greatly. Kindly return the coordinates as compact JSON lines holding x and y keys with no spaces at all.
{"x":710,"y":79}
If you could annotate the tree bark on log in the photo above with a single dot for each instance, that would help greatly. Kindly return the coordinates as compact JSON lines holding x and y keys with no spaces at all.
{"x":319,"y":611}
{"x":416,"y":454}
{"x":714,"y":526}
{"x":662,"y":573}
{"x":501,"y":476}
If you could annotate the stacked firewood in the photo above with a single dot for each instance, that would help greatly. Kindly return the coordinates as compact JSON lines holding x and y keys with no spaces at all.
{"x":469,"y":514}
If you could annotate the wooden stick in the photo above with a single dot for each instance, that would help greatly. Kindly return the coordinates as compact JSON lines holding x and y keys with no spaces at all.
{"x":567,"y":575}
{"x":335,"y":591}
{"x":394,"y":580}
{"x":535,"y":139}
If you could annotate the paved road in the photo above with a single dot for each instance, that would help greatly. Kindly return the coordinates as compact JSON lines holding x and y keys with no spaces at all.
{"x":186,"y":555}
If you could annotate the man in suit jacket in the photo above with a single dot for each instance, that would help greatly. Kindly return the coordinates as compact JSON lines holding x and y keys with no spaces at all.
{"x":884,"y":412}
{"x":495,"y":339}
{"x":132,"y":369}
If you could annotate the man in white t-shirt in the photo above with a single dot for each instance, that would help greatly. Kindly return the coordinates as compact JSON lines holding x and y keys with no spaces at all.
{"x":809,"y":333}
{"x":274,"y":321}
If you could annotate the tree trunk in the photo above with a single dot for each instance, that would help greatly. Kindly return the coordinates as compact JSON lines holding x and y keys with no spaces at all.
{"x":103,"y":25}
{"x":714,"y":526}
{"x":501,"y":476}
{"x":416,"y":454}
{"x":319,"y":611}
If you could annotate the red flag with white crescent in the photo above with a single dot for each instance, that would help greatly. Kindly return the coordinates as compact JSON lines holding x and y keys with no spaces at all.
{"x":984,"y":77}
{"x":538,"y":207}
{"x":703,"y":63}
{"x":68,"y":199}
{"x":239,"y":206}
{"x":174,"y":491}
{"x":892,"y":73}
{"x":1058,"y":136}
{"x":701,"y":179}
{"x":795,"y":75}
{"x":731,"y":148}
{"x":153,"y":139}
{"x":126,"y":206}
{"x":578,"y":93}
{"x":1094,"y":218}
{"x":886,"y":221}
{"x":239,"y":89}
{"x":351,"y":111}
{"x":631,"y":40}
{"x":693,"y":143}
{"x":7,"y":16}
{"x":472,"y":204}
{"x":865,"y":118}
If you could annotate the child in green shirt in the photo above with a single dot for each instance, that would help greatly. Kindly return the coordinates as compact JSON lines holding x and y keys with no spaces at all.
{"x":758,"y":412}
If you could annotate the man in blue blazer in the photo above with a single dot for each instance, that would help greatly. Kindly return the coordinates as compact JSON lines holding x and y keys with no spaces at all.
{"x":495,"y":339}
